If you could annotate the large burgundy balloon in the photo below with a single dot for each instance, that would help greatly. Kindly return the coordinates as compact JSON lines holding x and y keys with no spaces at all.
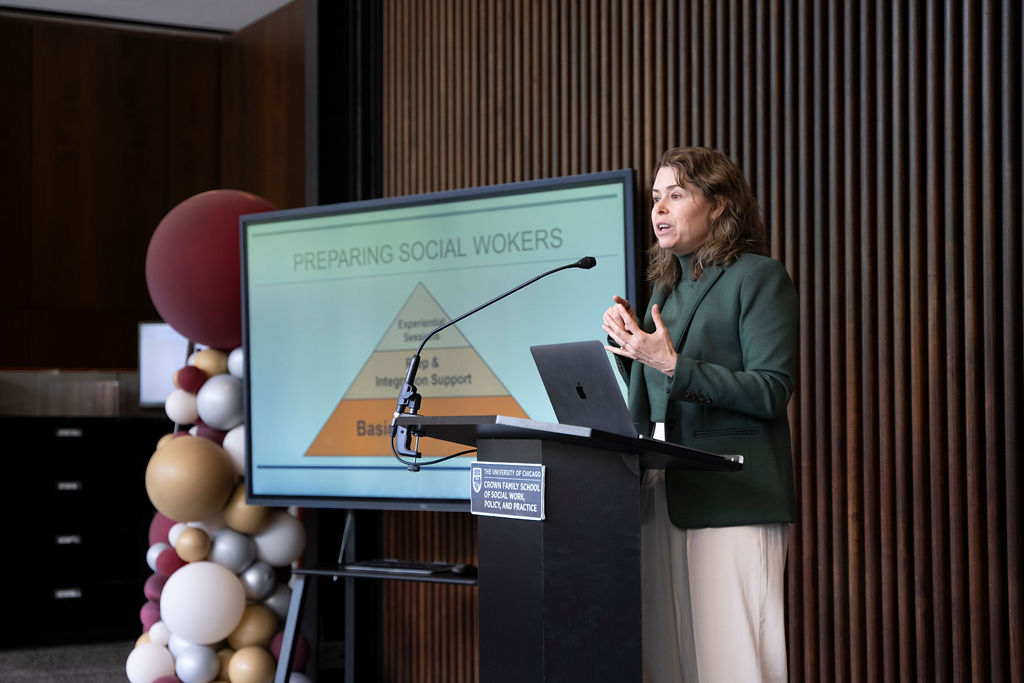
{"x":192,"y":266}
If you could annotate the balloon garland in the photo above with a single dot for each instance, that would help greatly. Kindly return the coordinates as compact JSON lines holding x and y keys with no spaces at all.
{"x":218,"y":596}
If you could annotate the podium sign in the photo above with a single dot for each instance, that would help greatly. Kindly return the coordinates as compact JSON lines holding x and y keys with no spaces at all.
{"x":507,"y":489}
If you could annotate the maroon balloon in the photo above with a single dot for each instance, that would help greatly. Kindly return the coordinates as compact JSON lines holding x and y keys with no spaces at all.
{"x":168,"y":562}
{"x":192,"y":266}
{"x":207,"y":432}
{"x":154,"y":586}
{"x":149,"y":614}
{"x":159,"y":528}
{"x":167,"y":679}
{"x":191,"y":379}
{"x":301,"y":657}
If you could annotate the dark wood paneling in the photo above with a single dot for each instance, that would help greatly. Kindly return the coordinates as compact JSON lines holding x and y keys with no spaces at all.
{"x":99,"y":121}
{"x":106,"y":128}
{"x":192,"y":100}
{"x":15,"y":191}
{"x":109,"y":126}
{"x":102,"y":150}
{"x":262,"y":119}
{"x":884,"y":143}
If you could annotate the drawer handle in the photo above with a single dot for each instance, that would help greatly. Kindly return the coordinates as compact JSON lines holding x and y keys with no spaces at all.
{"x":67,"y":593}
{"x":69,"y":432}
{"x":70,"y":486}
{"x":69,"y":539}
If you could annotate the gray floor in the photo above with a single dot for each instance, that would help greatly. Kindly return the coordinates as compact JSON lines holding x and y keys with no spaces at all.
{"x":96,"y":663}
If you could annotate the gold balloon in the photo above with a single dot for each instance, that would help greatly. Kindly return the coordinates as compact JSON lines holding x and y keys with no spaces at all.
{"x":258,"y":627}
{"x":189,"y":479}
{"x":252,"y":665}
{"x":193,"y":544}
{"x":211,"y":361}
{"x":224,"y":654}
{"x":240,"y":516}
{"x":164,"y":440}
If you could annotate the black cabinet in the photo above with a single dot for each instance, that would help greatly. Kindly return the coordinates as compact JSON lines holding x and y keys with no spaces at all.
{"x":74,"y":526}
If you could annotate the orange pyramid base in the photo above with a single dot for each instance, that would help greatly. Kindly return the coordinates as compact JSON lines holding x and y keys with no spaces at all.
{"x":362,"y":426}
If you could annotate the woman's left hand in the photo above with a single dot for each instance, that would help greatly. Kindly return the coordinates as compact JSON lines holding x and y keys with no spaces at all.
{"x":655,"y":350}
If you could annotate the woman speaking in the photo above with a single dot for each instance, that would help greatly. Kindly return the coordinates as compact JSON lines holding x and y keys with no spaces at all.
{"x":712,"y":366}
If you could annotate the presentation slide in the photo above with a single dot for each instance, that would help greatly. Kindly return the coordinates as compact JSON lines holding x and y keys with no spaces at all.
{"x":337,"y":300}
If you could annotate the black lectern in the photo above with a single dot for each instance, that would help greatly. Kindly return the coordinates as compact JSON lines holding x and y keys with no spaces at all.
{"x":559,"y":599}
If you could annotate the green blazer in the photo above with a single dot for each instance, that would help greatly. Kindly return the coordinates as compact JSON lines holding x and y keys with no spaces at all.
{"x":735,"y":373}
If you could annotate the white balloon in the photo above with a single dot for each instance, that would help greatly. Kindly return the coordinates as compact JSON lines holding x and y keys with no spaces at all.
{"x":176,"y":644}
{"x":197,"y":664}
{"x":282,"y":541}
{"x":236,"y":363}
{"x":175,"y":531}
{"x":280,"y":600}
{"x":219,"y":402}
{"x":159,"y":633}
{"x":181,"y":408}
{"x":154,"y":552}
{"x":202,"y":602}
{"x":148,"y":662}
{"x":234,"y":444}
{"x":297,"y":677}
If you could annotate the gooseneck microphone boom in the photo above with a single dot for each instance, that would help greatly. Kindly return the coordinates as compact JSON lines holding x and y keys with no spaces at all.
{"x":409,"y":398}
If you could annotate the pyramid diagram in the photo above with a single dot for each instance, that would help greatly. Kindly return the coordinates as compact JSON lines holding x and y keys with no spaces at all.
{"x":452,"y":377}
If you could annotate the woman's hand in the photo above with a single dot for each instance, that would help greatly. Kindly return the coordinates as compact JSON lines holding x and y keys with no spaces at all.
{"x":655,"y":350}
{"x":614,"y":313}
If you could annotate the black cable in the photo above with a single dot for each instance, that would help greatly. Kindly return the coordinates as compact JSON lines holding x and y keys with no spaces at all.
{"x":414,"y":466}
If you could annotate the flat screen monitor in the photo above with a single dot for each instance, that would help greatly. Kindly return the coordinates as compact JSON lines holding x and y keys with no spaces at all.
{"x":162,"y":352}
{"x":337,"y":299}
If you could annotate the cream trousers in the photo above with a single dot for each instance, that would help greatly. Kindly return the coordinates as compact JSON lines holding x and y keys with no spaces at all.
{"x":713,"y":605}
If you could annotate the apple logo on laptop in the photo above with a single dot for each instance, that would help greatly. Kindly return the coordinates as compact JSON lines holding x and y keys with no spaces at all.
{"x":579,"y":390}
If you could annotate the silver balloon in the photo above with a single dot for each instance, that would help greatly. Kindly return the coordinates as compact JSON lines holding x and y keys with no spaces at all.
{"x":197,"y":664}
{"x":233,"y":550}
{"x":279,"y":600}
{"x":219,"y":402}
{"x":259,"y":581}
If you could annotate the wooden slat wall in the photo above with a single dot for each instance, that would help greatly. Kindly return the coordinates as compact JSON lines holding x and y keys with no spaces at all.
{"x":883,"y":140}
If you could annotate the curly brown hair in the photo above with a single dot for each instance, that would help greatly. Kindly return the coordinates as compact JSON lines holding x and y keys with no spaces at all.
{"x":734,"y":227}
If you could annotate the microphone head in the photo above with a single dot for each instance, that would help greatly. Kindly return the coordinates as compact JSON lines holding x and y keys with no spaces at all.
{"x":587,"y":262}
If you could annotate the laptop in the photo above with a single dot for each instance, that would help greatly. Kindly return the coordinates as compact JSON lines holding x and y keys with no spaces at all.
{"x":582,"y":387}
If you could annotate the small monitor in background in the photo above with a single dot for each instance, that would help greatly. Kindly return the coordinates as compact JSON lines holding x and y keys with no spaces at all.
{"x":162,"y":352}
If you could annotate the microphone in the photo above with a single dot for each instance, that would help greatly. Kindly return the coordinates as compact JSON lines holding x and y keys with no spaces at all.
{"x":409,"y":398}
